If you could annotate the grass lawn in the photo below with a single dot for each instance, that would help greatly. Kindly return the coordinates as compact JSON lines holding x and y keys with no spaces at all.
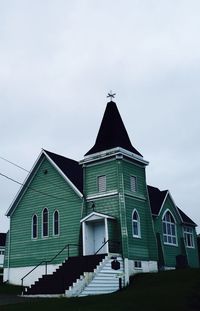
{"x":164,"y":291}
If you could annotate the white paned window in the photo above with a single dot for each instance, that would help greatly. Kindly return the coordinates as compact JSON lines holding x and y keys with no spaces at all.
{"x":34,"y":226}
{"x":137,"y":264}
{"x":45,"y":222}
{"x":102,"y":183}
{"x":188,"y":237}
{"x":169,"y":229}
{"x":56,"y":223}
{"x":136,"y":224}
{"x":133,"y":182}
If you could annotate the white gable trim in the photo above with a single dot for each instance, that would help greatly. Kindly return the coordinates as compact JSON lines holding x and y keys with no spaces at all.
{"x":95,"y":216}
{"x":169,"y":194}
{"x":25,"y":184}
{"x":63,"y":175}
{"x":30,"y":177}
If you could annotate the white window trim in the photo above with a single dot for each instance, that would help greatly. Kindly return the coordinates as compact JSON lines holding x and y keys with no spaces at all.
{"x":136,"y":184}
{"x":137,"y":261}
{"x":167,"y":243}
{"x":45,"y":236}
{"x":36,"y":228}
{"x":192,"y":233}
{"x":56,"y":235}
{"x":138,"y":222}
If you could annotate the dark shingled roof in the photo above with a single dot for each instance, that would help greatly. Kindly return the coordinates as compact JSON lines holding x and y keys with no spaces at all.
{"x":70,"y":168}
{"x":112,"y":132}
{"x":185,"y":218}
{"x":157,"y":197}
{"x":2,"y":239}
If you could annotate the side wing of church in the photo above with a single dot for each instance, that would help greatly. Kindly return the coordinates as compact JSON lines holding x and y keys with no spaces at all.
{"x":94,"y":216}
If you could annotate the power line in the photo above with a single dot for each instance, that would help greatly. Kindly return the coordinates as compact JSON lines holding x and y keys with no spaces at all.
{"x":35,"y":190}
{"x":22,"y":168}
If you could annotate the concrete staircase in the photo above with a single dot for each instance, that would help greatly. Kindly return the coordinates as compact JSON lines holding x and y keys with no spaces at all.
{"x":57,"y":283}
{"x":102,"y":280}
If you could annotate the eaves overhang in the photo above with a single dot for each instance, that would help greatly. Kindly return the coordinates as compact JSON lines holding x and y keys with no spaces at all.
{"x":30,"y":177}
{"x":115,"y":152}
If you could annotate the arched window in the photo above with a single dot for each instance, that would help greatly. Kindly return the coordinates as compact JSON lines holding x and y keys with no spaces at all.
{"x":56,"y":223}
{"x":34,"y":226}
{"x":45,"y":222}
{"x":169,"y":229}
{"x":136,"y":224}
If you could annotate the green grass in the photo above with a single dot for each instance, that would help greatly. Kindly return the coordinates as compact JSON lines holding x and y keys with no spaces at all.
{"x":164,"y":291}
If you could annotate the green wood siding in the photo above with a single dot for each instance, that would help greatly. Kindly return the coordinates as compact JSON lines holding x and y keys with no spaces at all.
{"x":144,"y":247}
{"x":93,"y":171}
{"x":24,"y":251}
{"x":171,"y":251}
{"x":121,"y":205}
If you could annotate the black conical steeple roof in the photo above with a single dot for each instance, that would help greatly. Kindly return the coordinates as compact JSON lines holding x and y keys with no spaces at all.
{"x":112,"y":132}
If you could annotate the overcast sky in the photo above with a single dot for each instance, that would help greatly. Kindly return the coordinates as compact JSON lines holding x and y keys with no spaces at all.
{"x":58,"y":61}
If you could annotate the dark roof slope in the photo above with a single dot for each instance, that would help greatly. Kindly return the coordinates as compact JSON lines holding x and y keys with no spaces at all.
{"x":2,"y":239}
{"x":70,"y":168}
{"x":112,"y":132}
{"x":156,"y":198}
{"x":185,"y":218}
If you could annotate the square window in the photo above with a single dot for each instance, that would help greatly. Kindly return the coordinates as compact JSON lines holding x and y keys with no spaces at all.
{"x":137,"y":264}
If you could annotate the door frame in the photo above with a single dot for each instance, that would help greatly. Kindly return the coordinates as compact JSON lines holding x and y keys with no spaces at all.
{"x":94,"y":217}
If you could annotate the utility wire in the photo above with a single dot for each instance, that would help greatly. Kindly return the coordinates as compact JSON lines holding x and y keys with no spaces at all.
{"x":22,"y":168}
{"x":28,"y":187}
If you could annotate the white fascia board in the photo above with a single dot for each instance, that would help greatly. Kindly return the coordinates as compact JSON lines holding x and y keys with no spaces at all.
{"x":63,"y":175}
{"x":96,"y":214}
{"x":169,"y":194}
{"x":25,"y":185}
{"x":112,"y":152}
{"x":99,"y":196}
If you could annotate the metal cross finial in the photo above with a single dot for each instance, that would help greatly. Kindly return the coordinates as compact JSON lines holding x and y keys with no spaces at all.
{"x":111,"y":95}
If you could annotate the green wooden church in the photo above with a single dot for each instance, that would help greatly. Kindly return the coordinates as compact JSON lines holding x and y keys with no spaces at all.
{"x":83,"y":228}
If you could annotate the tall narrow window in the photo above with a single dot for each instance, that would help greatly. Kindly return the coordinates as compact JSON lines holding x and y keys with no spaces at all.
{"x":56,"y":223}
{"x":133,"y":183}
{"x":169,"y":229}
{"x":34,"y":226}
{"x":101,"y":183}
{"x":45,"y":222}
{"x":136,"y":224}
{"x":188,"y":237}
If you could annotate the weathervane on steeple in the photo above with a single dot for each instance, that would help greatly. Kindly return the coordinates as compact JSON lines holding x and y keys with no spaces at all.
{"x":111,"y":95}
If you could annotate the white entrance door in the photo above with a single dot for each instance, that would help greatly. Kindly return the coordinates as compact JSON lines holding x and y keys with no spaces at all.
{"x":99,"y":237}
{"x":94,"y":236}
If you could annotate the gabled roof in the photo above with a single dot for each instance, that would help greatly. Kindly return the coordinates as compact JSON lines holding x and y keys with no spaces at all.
{"x":112,"y":132}
{"x":157,"y":198}
{"x":69,"y":167}
{"x":93,"y":216}
{"x":186,"y":219}
{"x":2,"y":239}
